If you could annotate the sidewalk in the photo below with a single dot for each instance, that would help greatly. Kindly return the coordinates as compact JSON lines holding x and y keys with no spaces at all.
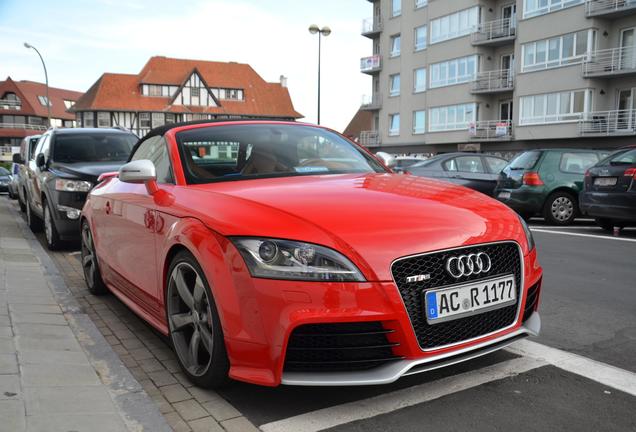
{"x":57,"y":372}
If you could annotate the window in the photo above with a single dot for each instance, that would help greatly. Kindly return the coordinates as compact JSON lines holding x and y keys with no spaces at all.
{"x":419,"y":80}
{"x":577,"y":163}
{"x":394,"y":85}
{"x":419,"y":122}
{"x":170,"y":118}
{"x":396,"y":8}
{"x":420,"y":37}
{"x":539,"y":7}
{"x":89,"y":120}
{"x":455,"y":71}
{"x":454,"y":25}
{"x":555,"y":107}
{"x":158,"y":119}
{"x":454,"y":117}
{"x":68,"y":103}
{"x":155,"y":90}
{"x":195,"y":91}
{"x":103,"y":119}
{"x":93,"y":147}
{"x":471,"y":164}
{"x":394,"y":124}
{"x":144,"y":120}
{"x":43,"y":101}
{"x":558,"y":51}
{"x":496,"y":165}
{"x":36,"y":120}
{"x":420,"y":3}
{"x":156,"y":150}
{"x":395,"y":45}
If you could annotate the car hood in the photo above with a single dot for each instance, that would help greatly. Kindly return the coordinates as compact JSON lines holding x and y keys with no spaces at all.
{"x":86,"y":170}
{"x":372,"y":218}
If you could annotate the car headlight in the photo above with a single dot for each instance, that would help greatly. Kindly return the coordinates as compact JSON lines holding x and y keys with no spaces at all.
{"x":73,"y":185}
{"x":529,"y":238}
{"x":286,"y":259}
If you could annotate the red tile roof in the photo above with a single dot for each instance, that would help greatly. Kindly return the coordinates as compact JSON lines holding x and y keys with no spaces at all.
{"x":28,"y":92}
{"x":362,"y":121}
{"x":121,"y":92}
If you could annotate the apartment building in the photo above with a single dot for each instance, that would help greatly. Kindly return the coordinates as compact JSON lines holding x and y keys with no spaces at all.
{"x":170,"y":90}
{"x":500,"y":75}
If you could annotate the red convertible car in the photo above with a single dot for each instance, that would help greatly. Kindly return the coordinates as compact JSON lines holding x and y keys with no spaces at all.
{"x":274,"y":252}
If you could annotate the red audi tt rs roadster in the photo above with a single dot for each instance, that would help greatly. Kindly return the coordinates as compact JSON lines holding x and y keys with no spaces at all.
{"x":274,"y":252}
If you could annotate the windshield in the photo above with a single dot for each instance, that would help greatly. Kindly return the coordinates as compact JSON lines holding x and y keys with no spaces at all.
{"x":526,"y":160}
{"x":4,"y":171}
{"x":625,"y":158}
{"x":223,"y":153}
{"x":96,"y":147}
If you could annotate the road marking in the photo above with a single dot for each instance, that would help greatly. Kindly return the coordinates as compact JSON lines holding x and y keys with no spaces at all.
{"x":582,"y":235}
{"x":605,"y":374}
{"x":362,"y":409}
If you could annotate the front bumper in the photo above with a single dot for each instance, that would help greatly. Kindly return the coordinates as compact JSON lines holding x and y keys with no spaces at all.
{"x":611,"y":205}
{"x":68,"y":228}
{"x":525,"y":199}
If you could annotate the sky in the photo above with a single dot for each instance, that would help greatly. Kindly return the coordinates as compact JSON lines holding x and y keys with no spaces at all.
{"x":80,"y":40}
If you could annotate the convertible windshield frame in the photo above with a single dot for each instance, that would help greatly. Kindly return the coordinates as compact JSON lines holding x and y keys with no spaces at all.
{"x":231,"y":134}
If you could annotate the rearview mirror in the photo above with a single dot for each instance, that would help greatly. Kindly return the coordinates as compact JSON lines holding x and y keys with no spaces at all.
{"x":17,"y":158}
{"x":139,"y":171}
{"x":387,"y":159}
{"x":40,"y":161}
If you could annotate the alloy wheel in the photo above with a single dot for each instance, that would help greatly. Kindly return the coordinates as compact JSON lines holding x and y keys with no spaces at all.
{"x":190,"y":319}
{"x":562,"y":209}
{"x":88,"y":255}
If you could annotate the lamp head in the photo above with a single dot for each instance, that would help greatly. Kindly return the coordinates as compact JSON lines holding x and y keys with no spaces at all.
{"x":313,"y":29}
{"x":326,"y":31}
{"x":27,"y":45}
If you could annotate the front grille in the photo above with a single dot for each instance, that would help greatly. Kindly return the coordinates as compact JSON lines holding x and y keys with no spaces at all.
{"x":505,"y":258}
{"x":339,"y":347}
{"x":531,"y":301}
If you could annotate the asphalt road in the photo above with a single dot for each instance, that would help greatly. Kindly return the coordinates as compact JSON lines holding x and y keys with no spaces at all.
{"x":588,"y":308}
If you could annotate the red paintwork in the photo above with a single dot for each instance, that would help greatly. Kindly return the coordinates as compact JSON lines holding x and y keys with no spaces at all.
{"x":373,"y":219}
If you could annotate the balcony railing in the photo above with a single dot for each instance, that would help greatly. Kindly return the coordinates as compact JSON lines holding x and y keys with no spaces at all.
{"x":10,"y":104}
{"x":490,"y":130}
{"x":371,"y":64}
{"x":609,"y":7}
{"x":371,"y":26}
{"x":613,"y":61}
{"x":608,"y":123}
{"x":493,"y":81}
{"x":494,"y":32}
{"x":370,"y":138}
{"x":371,"y":103}
{"x":22,"y":126}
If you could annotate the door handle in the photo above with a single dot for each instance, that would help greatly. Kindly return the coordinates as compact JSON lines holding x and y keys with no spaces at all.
{"x":107,"y":207}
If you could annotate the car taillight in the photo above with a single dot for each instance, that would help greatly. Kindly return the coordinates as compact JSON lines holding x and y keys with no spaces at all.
{"x":630,"y":172}
{"x":532,"y":179}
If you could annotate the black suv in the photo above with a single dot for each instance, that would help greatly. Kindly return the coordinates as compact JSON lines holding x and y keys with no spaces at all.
{"x":66,"y":166}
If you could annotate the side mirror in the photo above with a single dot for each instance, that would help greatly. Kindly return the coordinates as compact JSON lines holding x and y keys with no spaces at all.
{"x":140,"y":171}
{"x":388,"y":160}
{"x":40,"y":161}
{"x":17,"y":158}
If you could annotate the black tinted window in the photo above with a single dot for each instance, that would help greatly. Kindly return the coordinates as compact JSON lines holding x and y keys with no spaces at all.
{"x":155,"y":149}
{"x":526,"y":160}
{"x":103,"y":147}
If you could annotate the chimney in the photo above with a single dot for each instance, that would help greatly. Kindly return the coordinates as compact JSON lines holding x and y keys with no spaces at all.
{"x":283,"y":81}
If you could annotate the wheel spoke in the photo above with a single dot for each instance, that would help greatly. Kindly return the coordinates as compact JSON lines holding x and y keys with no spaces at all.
{"x":206,"y":339}
{"x":85,"y":238}
{"x":182,"y":289}
{"x":194,"y":348}
{"x":88,"y":259}
{"x":198,"y":293}
{"x":179,"y":321}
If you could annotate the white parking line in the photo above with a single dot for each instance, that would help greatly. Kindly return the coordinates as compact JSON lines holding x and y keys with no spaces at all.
{"x":605,"y":374}
{"x":362,"y":409}
{"x":582,"y":235}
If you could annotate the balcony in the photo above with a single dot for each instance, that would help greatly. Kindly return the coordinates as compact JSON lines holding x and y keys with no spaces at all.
{"x":23,"y":126}
{"x":494,"y":33}
{"x":610,"y":62}
{"x":370,"y":138}
{"x":609,"y":8}
{"x":493,"y":82}
{"x":371,"y":103}
{"x":10,"y":104}
{"x":371,"y":65}
{"x":608,"y":123}
{"x":491,"y":130}
{"x":371,"y":27}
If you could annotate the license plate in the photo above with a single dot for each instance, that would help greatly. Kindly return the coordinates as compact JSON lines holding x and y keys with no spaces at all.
{"x":503,"y":195}
{"x":472,"y":298}
{"x":605,"y":181}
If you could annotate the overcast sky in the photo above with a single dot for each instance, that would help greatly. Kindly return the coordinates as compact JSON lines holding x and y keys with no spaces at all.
{"x":82,"y":39}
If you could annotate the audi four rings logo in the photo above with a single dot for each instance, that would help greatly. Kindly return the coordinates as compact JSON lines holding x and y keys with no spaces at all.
{"x":468,"y":265}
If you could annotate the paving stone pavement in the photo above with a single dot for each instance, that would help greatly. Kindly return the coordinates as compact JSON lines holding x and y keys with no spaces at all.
{"x":144,"y":353}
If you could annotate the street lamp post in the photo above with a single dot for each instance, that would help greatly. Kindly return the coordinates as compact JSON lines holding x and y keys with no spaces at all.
{"x":46,"y":78}
{"x":326,"y":31}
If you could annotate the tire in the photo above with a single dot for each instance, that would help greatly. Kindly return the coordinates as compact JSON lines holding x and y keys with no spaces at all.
{"x":51,"y":235}
{"x":34,"y":222}
{"x":194,"y":322}
{"x":561,"y":208}
{"x":11,"y":195}
{"x":92,"y":274}
{"x":22,"y":204}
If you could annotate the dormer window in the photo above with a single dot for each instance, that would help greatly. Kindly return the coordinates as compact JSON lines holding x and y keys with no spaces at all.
{"x":44,"y":101}
{"x":10,"y":101}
